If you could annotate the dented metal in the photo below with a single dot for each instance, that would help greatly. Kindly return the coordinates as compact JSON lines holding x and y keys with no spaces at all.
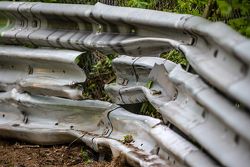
{"x":41,"y":89}
{"x":138,"y":32}
{"x":101,"y":125}
{"x":41,"y":71}
{"x":192,"y":106}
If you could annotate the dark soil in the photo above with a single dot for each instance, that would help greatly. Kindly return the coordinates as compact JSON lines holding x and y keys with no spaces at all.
{"x":18,"y":154}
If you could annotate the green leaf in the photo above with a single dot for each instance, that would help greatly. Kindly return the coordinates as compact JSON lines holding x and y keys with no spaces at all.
{"x":225,"y":7}
{"x":248,"y":31}
{"x":149,"y":84}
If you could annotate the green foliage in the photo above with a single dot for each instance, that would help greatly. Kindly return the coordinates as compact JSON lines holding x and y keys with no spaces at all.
{"x":85,"y":156}
{"x":103,"y":66}
{"x":241,"y":25}
{"x":235,"y":14}
{"x":194,"y":7}
{"x":3,"y":21}
{"x":100,"y":74}
{"x":127,"y":139}
{"x":225,"y":7}
{"x":147,"y":108}
{"x":176,"y":57}
{"x":138,"y":3}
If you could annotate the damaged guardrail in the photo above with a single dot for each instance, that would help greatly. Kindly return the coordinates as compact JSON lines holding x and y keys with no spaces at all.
{"x":187,"y":102}
{"x":41,"y":94}
{"x":41,"y":71}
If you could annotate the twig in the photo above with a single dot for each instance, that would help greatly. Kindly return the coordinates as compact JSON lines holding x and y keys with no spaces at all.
{"x":27,"y":146}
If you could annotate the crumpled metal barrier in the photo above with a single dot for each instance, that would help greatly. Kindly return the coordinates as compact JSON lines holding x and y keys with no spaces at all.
{"x":101,"y":125}
{"x":36,"y":115}
{"x":202,"y":122}
{"x":209,"y":47}
{"x":186,"y":101}
{"x":41,"y":71}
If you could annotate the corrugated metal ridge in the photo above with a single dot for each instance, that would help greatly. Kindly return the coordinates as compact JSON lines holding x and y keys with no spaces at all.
{"x":212,"y":49}
{"x":193,"y":109}
{"x":50,"y":120}
{"x":41,"y":71}
{"x":41,"y":87}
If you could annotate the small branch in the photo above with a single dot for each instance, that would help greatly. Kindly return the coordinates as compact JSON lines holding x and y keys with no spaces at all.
{"x":207,"y":12}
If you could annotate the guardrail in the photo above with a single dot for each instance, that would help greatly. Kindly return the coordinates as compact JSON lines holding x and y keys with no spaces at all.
{"x":202,"y":124}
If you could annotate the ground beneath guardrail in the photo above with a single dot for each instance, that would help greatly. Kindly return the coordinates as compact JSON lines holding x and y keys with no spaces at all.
{"x":20,"y":154}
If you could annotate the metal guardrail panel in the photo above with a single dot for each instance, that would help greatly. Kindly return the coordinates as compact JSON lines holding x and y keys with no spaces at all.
{"x":49,"y":120}
{"x":38,"y":85}
{"x":41,"y":71}
{"x":135,"y":32}
{"x":205,"y":122}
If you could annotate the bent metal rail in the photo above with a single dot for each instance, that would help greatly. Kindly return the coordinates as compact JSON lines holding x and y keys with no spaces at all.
{"x":41,"y":100}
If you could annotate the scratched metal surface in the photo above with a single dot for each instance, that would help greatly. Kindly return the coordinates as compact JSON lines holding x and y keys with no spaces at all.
{"x":209,"y":47}
{"x":186,"y":101}
{"x":41,"y":95}
{"x":29,"y":70}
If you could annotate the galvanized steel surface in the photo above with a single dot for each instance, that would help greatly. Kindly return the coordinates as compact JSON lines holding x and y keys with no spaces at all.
{"x":202,"y":125}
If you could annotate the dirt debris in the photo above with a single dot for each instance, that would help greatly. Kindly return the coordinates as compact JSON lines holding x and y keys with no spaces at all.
{"x":19,"y":154}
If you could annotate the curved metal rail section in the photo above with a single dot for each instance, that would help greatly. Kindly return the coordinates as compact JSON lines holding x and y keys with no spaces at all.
{"x":204,"y":123}
{"x":41,"y":71}
{"x":186,"y":101}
